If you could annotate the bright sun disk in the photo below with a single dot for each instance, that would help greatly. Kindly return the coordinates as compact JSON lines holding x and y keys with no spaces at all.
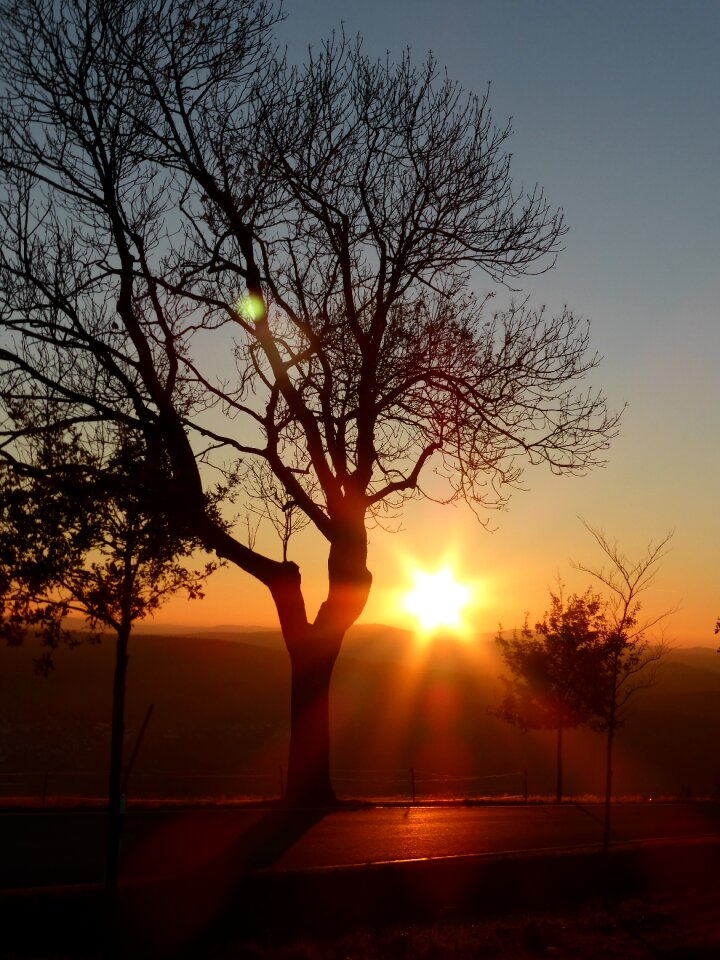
{"x":437,"y":600}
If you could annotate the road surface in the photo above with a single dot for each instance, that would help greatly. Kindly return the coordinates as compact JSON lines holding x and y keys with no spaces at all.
{"x":44,"y":848}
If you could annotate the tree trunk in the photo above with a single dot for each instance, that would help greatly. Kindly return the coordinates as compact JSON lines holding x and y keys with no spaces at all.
{"x":313,"y":650}
{"x":308,"y":778}
{"x":115,"y":798}
{"x":608,"y":787}
{"x":612,"y":724}
{"x":559,"y":781}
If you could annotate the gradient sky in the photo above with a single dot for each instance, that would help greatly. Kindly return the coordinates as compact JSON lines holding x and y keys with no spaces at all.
{"x":615,"y":113}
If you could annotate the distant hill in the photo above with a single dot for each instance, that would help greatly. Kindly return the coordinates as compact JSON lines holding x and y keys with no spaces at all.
{"x":220,"y":722}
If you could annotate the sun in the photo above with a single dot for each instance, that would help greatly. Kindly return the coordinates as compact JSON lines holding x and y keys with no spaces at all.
{"x":437,"y":600}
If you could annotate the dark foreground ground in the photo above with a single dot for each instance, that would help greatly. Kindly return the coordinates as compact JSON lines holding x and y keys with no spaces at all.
{"x":683,"y":927}
{"x":659,"y":900}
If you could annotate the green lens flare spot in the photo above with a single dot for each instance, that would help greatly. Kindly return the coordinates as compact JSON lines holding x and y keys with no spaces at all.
{"x":250,"y":307}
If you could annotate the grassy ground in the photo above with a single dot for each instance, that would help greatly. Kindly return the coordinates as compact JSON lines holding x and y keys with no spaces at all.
{"x":686,"y":927}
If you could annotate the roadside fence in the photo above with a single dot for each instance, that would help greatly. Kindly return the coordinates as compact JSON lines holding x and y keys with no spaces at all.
{"x":409,"y":785}
{"x":418,"y":785}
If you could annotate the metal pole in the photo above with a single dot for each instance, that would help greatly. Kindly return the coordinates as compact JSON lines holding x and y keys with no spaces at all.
{"x":136,"y":748}
{"x":412,"y":783}
{"x":525,"y":785}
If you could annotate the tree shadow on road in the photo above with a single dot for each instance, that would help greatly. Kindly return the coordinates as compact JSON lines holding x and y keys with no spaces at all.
{"x":198,"y":887}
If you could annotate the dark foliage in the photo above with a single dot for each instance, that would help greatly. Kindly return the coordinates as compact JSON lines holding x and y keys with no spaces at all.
{"x":554,"y":669}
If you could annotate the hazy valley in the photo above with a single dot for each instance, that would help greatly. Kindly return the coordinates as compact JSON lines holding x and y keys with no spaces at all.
{"x":220,"y":720}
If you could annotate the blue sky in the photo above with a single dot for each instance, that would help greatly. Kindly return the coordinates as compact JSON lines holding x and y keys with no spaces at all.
{"x":615,"y":113}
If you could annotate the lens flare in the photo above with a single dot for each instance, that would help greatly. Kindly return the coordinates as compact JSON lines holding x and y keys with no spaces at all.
{"x":250,"y":307}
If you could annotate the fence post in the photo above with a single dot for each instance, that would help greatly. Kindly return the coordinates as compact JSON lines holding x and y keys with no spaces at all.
{"x":136,"y":748}
{"x":412,"y":783}
{"x":525,"y":785}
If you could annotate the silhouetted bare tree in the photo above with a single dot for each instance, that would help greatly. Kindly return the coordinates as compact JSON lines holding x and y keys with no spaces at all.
{"x":626,"y":653}
{"x":245,"y":260}
{"x":552,"y":668}
{"x":268,"y":500}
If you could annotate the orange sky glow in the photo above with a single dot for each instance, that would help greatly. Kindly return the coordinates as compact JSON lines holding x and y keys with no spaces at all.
{"x":603,"y":124}
{"x":508,"y":568}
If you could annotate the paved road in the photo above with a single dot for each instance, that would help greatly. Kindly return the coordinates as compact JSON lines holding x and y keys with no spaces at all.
{"x":420,"y":832}
{"x":47,"y":848}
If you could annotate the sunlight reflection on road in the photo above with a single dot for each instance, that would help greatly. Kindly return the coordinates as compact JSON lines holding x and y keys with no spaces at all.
{"x":382,"y":835}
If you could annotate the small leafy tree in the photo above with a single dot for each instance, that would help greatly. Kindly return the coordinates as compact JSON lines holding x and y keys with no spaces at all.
{"x":82,"y":534}
{"x":549,"y":668}
{"x":625,"y":654}
{"x":42,"y":538}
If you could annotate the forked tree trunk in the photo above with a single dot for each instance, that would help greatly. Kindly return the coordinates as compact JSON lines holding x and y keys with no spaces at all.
{"x":308,"y":778}
{"x":313,"y":650}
